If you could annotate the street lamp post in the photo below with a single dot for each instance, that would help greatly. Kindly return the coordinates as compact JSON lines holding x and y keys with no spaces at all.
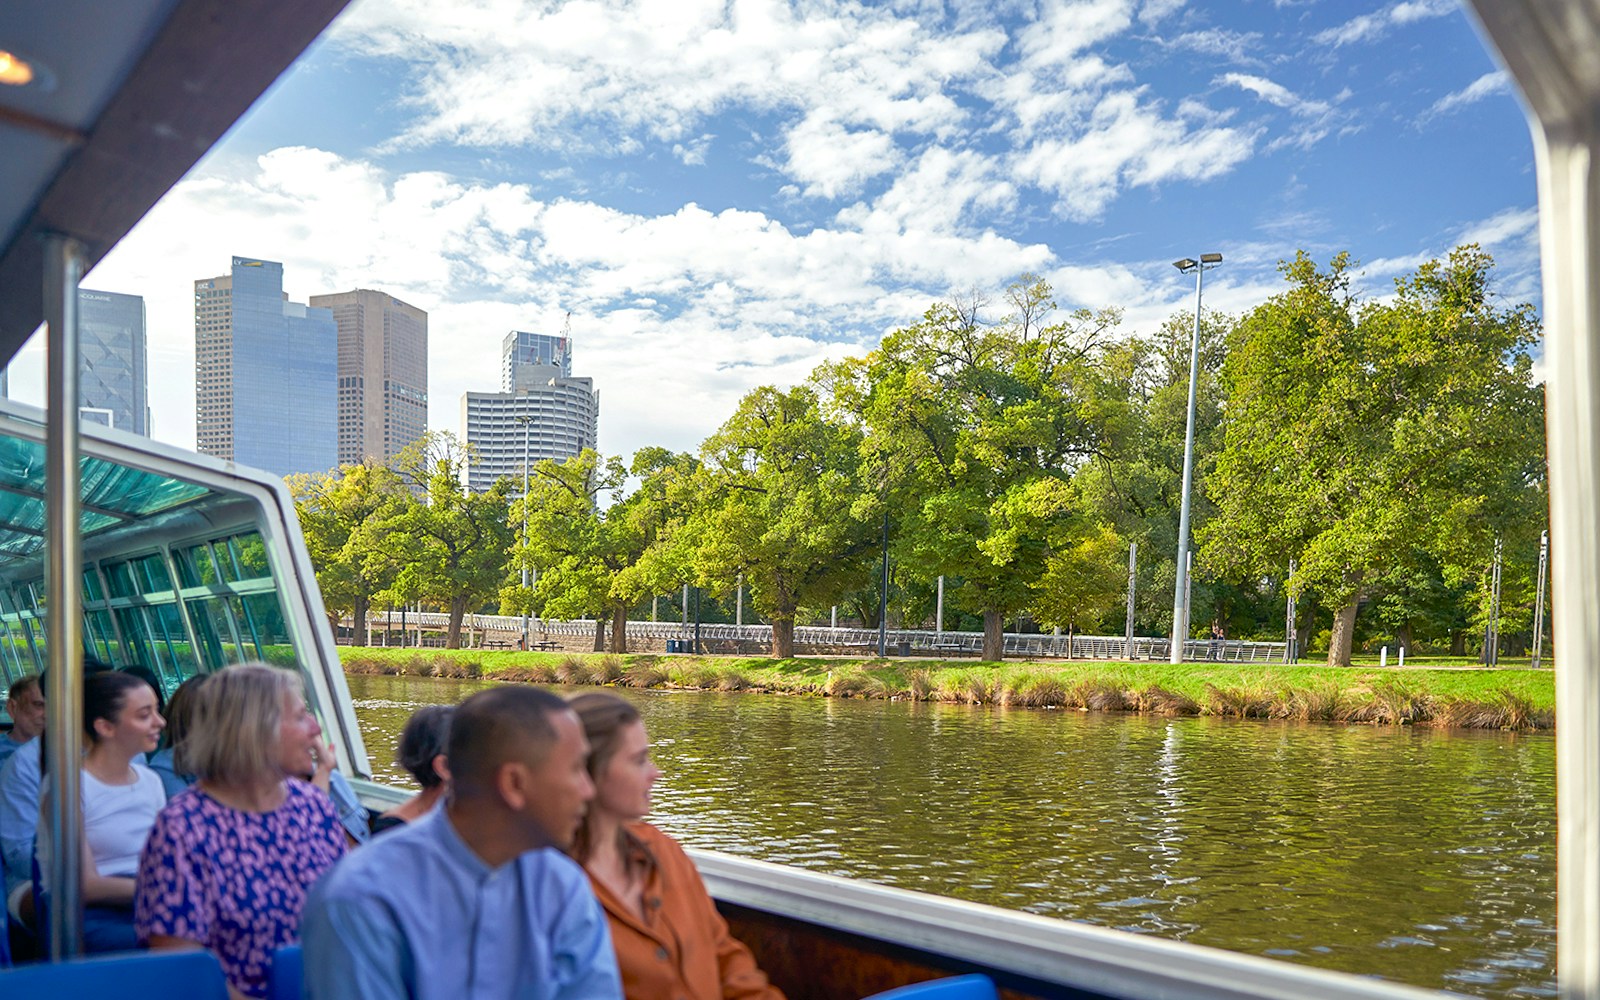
{"x":1180,"y":592}
{"x":527,"y":426}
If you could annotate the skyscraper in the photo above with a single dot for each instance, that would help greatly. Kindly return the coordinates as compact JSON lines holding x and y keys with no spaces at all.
{"x":544,"y":411}
{"x":266,"y":384}
{"x":383,"y":373}
{"x":521,"y":352}
{"x":113,"y":381}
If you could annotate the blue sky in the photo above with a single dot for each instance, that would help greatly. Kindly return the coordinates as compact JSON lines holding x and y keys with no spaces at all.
{"x":725,"y":194}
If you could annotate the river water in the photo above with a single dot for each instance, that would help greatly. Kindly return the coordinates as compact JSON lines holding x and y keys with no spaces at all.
{"x":1422,"y":856}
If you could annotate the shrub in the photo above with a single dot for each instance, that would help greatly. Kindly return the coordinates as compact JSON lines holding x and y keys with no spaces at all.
{"x":920,"y":685}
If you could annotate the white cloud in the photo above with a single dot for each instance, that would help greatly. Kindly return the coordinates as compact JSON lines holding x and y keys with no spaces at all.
{"x":832,"y":161}
{"x":1275,"y":94}
{"x":652,"y":297}
{"x":1487,"y":85}
{"x":1127,"y":142}
{"x":507,"y":72}
{"x":1235,"y":46}
{"x":1373,"y":26}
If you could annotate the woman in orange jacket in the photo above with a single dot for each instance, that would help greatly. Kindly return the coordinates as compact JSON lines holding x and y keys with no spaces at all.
{"x":671,"y":942}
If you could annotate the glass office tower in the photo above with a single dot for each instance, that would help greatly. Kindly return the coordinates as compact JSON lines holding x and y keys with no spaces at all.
{"x":266,"y":373}
{"x":114,"y":384}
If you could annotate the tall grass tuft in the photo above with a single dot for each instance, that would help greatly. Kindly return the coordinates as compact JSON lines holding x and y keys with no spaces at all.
{"x":609,"y":670}
{"x":1507,"y":710}
{"x":1314,"y":704}
{"x":644,"y":674}
{"x":1157,"y":700}
{"x":733,"y":680}
{"x":845,"y":684}
{"x":574,"y":670}
{"x":920,"y":684}
{"x":1237,"y":703}
{"x":1096,"y":694}
{"x":1035,"y":692}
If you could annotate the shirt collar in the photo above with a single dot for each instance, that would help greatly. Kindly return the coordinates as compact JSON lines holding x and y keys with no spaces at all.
{"x":438,"y":826}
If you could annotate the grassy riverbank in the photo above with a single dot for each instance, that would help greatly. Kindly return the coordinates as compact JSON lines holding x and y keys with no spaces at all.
{"x":1473,"y":699}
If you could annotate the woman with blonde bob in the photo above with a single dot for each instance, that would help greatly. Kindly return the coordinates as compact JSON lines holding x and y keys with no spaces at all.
{"x":671,"y":942}
{"x":230,"y":860}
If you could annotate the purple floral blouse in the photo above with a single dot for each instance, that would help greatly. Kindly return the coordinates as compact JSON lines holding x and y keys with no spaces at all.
{"x":235,"y":881}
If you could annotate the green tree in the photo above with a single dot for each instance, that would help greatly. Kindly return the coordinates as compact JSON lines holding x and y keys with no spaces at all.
{"x":1138,"y":483}
{"x":335,"y":511}
{"x":1366,"y":439}
{"x":777,"y":491}
{"x":976,"y":432}
{"x":590,"y":556}
{"x":449,"y":546}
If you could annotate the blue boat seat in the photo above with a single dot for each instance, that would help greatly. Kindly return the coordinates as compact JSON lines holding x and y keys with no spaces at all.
{"x":193,"y":975}
{"x":288,"y":968}
{"x":973,"y":987}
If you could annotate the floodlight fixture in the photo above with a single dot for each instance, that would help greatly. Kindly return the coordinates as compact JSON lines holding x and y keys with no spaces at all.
{"x":1211,"y":258}
{"x":1184,"y":265}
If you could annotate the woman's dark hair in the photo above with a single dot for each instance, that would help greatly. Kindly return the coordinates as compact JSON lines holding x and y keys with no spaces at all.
{"x":180,"y":713}
{"x":603,"y":716}
{"x":426,"y":736}
{"x":146,"y":675}
{"x":104,"y":694}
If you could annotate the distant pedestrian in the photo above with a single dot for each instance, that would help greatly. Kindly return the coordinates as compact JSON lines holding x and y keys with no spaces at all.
{"x":1214,"y":652}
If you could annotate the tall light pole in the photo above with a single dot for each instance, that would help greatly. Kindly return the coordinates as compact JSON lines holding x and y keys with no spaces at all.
{"x":1180,"y":592}
{"x":527,"y":425}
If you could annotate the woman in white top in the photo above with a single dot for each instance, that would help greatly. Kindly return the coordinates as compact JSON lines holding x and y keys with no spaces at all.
{"x":121,"y":797}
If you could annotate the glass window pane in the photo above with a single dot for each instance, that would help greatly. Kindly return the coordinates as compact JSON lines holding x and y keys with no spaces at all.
{"x":216,"y":621}
{"x":153,"y":575}
{"x":91,"y":585}
{"x":120,"y":576}
{"x":265,"y":618}
{"x":140,"y":650}
{"x":225,"y":563}
{"x":166,"y":623}
{"x":251,"y":554}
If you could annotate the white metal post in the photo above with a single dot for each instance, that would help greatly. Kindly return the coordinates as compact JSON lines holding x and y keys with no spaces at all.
{"x":1549,"y":49}
{"x":1538,"y":601}
{"x":63,"y":583}
{"x":1133,"y":572}
{"x":938,"y":613}
{"x":1180,"y":592}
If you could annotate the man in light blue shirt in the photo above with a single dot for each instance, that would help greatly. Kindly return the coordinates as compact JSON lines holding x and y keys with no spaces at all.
{"x":25,"y":705}
{"x":19,"y":813}
{"x":475,"y":901}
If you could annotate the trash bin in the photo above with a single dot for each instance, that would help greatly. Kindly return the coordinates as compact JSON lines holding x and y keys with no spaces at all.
{"x":905,"y":647}
{"x":672,"y":645}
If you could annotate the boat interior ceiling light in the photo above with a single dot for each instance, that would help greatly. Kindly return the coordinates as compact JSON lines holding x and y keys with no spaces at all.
{"x":15,"y":70}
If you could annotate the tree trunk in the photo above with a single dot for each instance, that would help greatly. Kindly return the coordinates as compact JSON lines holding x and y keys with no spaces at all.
{"x":1458,"y":643}
{"x":1344,"y":633}
{"x":783,"y":638}
{"x":599,"y":633}
{"x":1403,"y":636}
{"x":358,"y":621}
{"x":452,"y":638}
{"x":619,"y":629}
{"x":994,"y":636}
